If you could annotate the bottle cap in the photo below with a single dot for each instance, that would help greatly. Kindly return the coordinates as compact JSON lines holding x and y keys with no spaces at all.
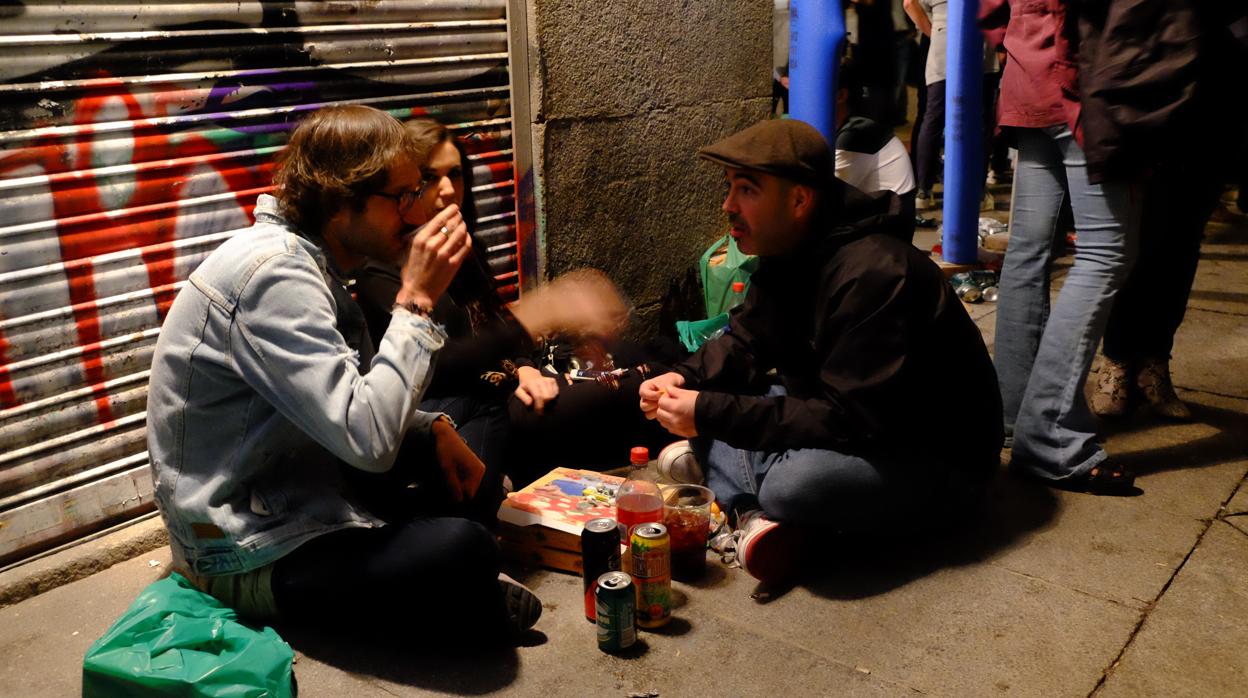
{"x":639,"y":454}
{"x":738,"y":286}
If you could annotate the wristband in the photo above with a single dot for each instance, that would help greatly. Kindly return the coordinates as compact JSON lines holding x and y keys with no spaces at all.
{"x":414,"y":308}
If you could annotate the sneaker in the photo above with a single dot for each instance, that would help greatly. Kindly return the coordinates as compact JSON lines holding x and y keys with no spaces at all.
{"x":677,"y":464}
{"x":767,"y":550}
{"x":923,"y":200}
{"x":1155,"y":385}
{"x":1112,"y":397}
{"x":988,"y":203}
{"x":523,"y":606}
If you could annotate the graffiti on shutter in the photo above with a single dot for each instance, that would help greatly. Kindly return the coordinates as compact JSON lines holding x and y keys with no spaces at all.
{"x":134,"y":139}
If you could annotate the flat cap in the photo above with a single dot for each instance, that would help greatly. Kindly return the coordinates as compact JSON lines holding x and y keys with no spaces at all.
{"x":784,"y":147}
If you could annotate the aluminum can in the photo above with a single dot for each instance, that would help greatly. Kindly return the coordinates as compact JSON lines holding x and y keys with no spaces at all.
{"x":961,"y":279}
{"x":615,"y":611}
{"x":969,"y":293}
{"x":651,"y":549}
{"x":984,"y":277}
{"x":600,"y":553}
{"x":991,"y":294}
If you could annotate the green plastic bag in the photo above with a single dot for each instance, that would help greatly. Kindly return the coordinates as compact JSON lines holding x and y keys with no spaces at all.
{"x":175,"y":640}
{"x":694,"y":333}
{"x":722,"y":264}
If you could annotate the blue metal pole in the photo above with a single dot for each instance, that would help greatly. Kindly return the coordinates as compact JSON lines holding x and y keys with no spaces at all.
{"x":816,"y":30}
{"x":964,"y":143}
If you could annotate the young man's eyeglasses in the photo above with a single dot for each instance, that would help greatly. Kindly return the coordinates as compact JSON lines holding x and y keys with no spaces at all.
{"x":403,"y":200}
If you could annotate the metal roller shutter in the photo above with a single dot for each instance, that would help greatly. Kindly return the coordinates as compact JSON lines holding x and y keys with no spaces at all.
{"x":134,"y":139}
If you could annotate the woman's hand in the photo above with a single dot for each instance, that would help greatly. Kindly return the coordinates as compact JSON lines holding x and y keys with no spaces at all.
{"x":535,"y":389}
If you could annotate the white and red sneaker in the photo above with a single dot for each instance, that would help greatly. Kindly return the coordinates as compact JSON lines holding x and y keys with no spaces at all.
{"x":767,"y":550}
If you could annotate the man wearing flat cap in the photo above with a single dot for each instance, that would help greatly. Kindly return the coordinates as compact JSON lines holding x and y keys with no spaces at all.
{"x":851,"y":393}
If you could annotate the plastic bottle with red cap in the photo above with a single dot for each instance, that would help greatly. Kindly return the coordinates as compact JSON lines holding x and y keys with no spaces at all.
{"x":738,"y":297}
{"x":638,"y":500}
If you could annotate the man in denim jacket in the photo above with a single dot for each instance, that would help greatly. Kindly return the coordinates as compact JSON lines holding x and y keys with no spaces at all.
{"x":263,"y":392}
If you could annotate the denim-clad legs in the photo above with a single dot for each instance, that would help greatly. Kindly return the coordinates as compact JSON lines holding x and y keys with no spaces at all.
{"x":826,"y":489}
{"x":1043,"y":354}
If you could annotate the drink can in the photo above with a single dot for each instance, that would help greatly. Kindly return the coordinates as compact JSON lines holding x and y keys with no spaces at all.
{"x":651,"y":549}
{"x":984,"y":277}
{"x":615,"y":611}
{"x":991,"y":294}
{"x":962,"y":278}
{"x":969,"y":293}
{"x":600,"y":553}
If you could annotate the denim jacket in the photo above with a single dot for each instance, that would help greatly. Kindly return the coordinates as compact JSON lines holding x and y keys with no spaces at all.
{"x":255,"y":398}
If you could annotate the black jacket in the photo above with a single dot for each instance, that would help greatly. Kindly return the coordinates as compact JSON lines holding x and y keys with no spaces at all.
{"x":1155,"y":78}
{"x":876,"y":353}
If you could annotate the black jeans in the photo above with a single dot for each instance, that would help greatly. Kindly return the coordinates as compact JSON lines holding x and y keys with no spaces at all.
{"x":430,"y":578}
{"x":415,"y":485}
{"x":1147,"y":312}
{"x":931,"y":137}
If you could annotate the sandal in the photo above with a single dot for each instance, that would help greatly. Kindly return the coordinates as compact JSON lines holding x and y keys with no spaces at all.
{"x":1108,"y":480}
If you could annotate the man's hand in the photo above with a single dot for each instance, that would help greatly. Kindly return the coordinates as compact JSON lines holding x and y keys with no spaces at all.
{"x":655,"y":388}
{"x":535,"y":389}
{"x":433,"y":257}
{"x":676,"y":411}
{"x":460,"y":466}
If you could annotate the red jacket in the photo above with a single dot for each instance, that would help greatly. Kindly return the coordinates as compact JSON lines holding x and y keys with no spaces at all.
{"x":1040,"y":85}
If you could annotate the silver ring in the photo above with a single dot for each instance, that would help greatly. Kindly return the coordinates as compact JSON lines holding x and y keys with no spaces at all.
{"x":445,"y":232}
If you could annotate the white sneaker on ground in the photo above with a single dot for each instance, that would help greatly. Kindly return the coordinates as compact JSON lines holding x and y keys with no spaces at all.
{"x":677,"y":464}
{"x":923,"y":200}
{"x":988,"y":203}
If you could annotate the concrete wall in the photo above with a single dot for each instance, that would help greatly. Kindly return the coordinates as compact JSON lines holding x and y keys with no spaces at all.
{"x":623,"y":94}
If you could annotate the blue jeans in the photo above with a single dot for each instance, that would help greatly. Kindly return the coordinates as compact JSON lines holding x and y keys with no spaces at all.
{"x":826,"y":489}
{"x":1043,"y":353}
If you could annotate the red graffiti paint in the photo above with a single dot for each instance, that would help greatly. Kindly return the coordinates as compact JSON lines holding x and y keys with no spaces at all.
{"x":163,"y":163}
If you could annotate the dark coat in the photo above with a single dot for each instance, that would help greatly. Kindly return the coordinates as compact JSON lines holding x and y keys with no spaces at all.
{"x":1124,"y":75}
{"x":876,"y":353}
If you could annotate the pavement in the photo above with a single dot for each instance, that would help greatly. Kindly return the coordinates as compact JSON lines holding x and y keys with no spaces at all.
{"x":1049,"y":593}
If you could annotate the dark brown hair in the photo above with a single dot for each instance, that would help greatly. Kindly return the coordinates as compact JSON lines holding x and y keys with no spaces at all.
{"x":336,"y":157}
{"x":474,"y":283}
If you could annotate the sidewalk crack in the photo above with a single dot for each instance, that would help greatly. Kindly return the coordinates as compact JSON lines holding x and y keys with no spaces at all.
{"x":1166,"y":587}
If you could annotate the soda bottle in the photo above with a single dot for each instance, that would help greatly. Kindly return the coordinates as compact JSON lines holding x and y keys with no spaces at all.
{"x":638,"y":500}
{"x":738,"y":297}
{"x":738,"y":294}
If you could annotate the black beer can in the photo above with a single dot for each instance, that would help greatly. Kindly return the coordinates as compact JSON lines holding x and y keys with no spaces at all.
{"x":600,"y":553}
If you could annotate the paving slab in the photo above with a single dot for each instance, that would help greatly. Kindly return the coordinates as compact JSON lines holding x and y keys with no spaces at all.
{"x":1195,"y":642}
{"x":1221,"y":285}
{"x":1114,"y":548}
{"x":956,"y":631}
{"x":1235,"y":513}
{"x":1190,"y":468}
{"x":1209,"y":352}
{"x":43,"y":639}
{"x":704,"y":648}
